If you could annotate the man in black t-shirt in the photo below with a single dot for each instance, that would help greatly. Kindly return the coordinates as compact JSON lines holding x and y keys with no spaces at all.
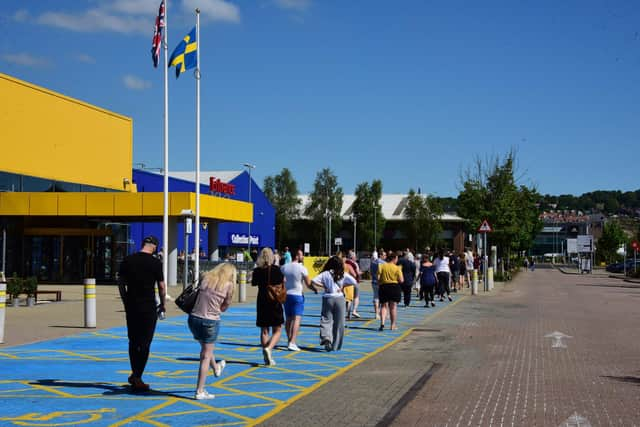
{"x":139,"y":274}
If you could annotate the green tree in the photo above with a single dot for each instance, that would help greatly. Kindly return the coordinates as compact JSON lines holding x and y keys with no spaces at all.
{"x":282,"y":192}
{"x":366,"y":209}
{"x":423,"y":224}
{"x":490,"y":192}
{"x":325,"y":203}
{"x":612,"y":237}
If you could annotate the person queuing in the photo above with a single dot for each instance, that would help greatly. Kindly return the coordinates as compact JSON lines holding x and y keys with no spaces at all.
{"x":375,"y":262}
{"x":408,"y":273}
{"x":444,"y":275}
{"x":389,"y":280}
{"x":454,"y":268}
{"x":269,"y":312}
{"x":468,"y":259}
{"x":139,"y":274}
{"x":348,"y":291}
{"x":295,"y":275}
{"x":354,"y":270}
{"x":214,"y":297}
{"x":428,"y":280}
{"x":463,"y":271}
{"x":332,"y":280}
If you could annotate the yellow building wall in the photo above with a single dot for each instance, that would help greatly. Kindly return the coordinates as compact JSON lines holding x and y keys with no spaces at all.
{"x":49,"y":135}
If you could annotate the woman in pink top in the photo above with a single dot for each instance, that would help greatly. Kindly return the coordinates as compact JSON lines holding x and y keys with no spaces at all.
{"x":214,"y":297}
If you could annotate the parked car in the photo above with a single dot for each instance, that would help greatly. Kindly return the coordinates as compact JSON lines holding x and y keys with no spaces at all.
{"x":619,"y":267}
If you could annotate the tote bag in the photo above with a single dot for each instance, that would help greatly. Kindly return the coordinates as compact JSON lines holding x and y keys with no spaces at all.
{"x":187,"y":299}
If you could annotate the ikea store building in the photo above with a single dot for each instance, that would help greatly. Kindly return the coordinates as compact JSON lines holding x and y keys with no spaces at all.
{"x":64,"y":218}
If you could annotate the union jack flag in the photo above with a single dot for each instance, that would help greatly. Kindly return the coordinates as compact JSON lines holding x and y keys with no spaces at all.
{"x":157,"y":35}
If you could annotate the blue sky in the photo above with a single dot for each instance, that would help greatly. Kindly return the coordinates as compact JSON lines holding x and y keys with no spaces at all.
{"x":409,"y":92}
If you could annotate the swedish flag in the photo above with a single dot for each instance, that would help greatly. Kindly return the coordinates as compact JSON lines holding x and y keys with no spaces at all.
{"x":184,"y":55}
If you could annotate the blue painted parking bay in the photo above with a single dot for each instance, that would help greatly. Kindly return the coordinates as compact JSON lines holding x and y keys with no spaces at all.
{"x":81,"y":379}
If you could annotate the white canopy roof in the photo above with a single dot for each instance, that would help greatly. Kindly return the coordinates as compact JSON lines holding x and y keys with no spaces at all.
{"x":393,"y":206}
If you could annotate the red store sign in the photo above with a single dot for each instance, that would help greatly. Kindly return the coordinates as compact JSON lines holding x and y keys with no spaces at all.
{"x":217,"y":186}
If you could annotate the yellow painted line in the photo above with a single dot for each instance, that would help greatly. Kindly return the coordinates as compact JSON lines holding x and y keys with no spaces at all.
{"x":141,"y":417}
{"x":283,"y":383}
{"x":302,"y":374}
{"x":33,"y":417}
{"x":52,"y":390}
{"x":255,"y":405}
{"x":248,"y":393}
{"x":205,"y":409}
{"x":316,"y":386}
{"x":82,"y":356}
{"x":240,"y":423}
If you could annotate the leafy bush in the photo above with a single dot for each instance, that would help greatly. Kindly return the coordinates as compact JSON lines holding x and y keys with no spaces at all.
{"x":30,"y":286}
{"x":15,"y":286}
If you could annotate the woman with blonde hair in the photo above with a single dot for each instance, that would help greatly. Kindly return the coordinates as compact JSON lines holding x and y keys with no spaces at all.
{"x":214,"y":297}
{"x":269,"y":313}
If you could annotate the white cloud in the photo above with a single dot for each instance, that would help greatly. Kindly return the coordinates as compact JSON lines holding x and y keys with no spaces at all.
{"x":21,"y":15}
{"x":135,"y":83}
{"x":25,"y":59}
{"x":95,"y":20}
{"x":134,"y":7}
{"x":130,"y":16}
{"x":214,"y":10}
{"x":299,"y":5}
{"x":83,"y":57}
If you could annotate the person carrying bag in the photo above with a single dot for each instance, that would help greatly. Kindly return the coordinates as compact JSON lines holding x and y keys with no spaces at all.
{"x":270,"y":314}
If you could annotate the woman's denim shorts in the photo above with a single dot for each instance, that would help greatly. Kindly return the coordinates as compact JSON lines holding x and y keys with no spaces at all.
{"x":204,"y":330}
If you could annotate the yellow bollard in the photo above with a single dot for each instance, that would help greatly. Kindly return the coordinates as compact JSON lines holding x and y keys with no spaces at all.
{"x":474,"y":286}
{"x":89,"y":303}
{"x":242,"y":295}
{"x":490,"y":277}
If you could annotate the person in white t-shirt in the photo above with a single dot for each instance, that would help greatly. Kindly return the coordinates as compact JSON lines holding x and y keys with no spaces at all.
{"x":468,"y":260}
{"x":444,"y":275}
{"x":332,"y":320}
{"x":295,"y":274}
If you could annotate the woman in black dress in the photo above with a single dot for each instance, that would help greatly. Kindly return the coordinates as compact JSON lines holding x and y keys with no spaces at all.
{"x":269,"y":313}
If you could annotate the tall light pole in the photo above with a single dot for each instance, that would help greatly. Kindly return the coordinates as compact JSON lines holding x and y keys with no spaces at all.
{"x":250,"y":167}
{"x":375,"y":226}
{"x":355,"y":219}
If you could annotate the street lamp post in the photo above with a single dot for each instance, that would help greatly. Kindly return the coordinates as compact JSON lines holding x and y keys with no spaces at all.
{"x":355,"y":219}
{"x":250,"y":167}
{"x":375,"y":226}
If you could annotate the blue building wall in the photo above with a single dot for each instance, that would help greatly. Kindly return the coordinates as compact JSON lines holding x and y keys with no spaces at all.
{"x":263,"y":226}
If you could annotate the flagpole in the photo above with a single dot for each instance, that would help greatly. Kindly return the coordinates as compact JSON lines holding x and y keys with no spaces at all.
{"x":196,"y":275}
{"x":165,"y":215}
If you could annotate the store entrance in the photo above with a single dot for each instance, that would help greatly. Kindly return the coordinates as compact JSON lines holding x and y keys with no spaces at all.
{"x":69,"y":255}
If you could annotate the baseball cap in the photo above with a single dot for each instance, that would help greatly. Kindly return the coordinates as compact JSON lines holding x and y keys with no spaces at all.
{"x":151,"y":239}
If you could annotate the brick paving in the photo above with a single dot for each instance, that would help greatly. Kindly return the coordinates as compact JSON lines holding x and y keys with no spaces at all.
{"x":497,"y":368}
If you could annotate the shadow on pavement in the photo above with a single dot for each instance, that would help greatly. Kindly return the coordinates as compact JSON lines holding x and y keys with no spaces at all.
{"x":627,"y":379}
{"x":110,"y":389}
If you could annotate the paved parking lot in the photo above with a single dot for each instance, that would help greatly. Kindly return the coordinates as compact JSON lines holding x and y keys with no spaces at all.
{"x":81,"y":378}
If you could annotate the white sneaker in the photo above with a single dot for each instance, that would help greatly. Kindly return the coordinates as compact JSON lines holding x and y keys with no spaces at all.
{"x":204,"y":395}
{"x":293,"y":347}
{"x":268,"y":357}
{"x":219,"y":368}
